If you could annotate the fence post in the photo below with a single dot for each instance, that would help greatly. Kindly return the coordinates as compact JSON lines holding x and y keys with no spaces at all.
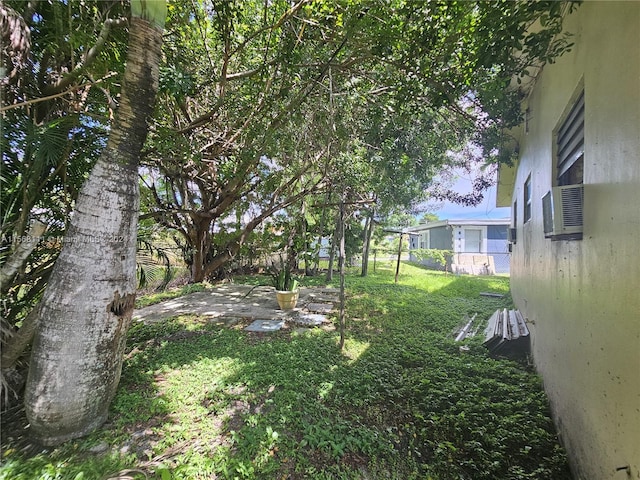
{"x":399,"y":255}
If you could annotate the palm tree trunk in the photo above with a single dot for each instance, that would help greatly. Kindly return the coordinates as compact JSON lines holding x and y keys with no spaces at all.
{"x":86,"y":309}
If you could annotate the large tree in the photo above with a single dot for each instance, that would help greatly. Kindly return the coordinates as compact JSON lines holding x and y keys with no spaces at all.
{"x":86,"y":309}
{"x":258,"y":77}
{"x":236,"y":136}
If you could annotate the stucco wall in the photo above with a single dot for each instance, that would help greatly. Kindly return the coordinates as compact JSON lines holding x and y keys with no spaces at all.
{"x":582,"y":298}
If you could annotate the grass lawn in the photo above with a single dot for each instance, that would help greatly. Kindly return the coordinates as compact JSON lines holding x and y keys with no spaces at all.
{"x":198,"y":401}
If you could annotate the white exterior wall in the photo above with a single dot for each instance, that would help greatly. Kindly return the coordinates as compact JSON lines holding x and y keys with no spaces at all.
{"x":582,"y":298}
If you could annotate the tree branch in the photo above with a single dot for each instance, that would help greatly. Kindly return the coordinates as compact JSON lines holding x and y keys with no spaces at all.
{"x":92,"y":54}
{"x":20,"y":255}
{"x":13,"y":349}
{"x":56,"y":95}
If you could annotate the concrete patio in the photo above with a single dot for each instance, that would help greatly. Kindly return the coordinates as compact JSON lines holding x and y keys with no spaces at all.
{"x":256,"y":305}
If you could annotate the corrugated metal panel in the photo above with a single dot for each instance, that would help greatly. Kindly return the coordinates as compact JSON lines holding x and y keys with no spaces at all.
{"x":507,"y":334}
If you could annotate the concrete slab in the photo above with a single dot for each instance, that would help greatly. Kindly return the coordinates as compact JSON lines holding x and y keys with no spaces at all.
{"x":265,"y":326}
{"x":320,"y":307}
{"x":324,"y":295}
{"x":240,"y":302}
{"x":330,"y":290}
{"x":213,"y":304}
{"x":311,"y":319}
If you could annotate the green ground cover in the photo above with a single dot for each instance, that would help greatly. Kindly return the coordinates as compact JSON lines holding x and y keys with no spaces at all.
{"x":401,"y":401}
{"x":157,"y":297}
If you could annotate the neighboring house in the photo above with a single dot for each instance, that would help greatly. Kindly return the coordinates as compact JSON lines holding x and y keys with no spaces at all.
{"x":479,"y":247}
{"x":575,"y":264}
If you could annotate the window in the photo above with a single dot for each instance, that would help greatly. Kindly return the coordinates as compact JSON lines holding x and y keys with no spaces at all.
{"x":570,"y":146}
{"x":472,"y":240}
{"x":527,"y":200}
{"x":512,"y":232}
{"x":562,"y":206}
{"x":424,"y":240}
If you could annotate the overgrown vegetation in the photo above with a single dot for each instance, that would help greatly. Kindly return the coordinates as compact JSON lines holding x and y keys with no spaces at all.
{"x":436,"y":256}
{"x":198,"y":400}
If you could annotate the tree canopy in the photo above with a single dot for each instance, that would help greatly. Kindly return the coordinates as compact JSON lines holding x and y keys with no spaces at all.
{"x":261,"y":103}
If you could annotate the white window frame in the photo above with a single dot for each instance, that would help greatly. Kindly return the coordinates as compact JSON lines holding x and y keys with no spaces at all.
{"x":482,"y":244}
{"x":526,"y":197}
{"x":425,"y":240}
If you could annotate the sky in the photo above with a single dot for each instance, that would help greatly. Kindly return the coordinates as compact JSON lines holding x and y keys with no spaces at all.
{"x":487,"y":209}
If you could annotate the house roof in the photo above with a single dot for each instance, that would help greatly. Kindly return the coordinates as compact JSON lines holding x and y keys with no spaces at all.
{"x":460,"y":222}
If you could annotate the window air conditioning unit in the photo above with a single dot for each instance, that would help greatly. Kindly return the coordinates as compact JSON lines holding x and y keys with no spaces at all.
{"x":511,"y":235}
{"x":562,"y":211}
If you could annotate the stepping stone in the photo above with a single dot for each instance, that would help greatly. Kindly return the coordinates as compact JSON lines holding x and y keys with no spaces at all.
{"x":330,"y":290}
{"x":320,"y":307}
{"x":265,"y":326}
{"x":311,"y":319}
{"x":320,"y":297}
{"x":301,"y":330}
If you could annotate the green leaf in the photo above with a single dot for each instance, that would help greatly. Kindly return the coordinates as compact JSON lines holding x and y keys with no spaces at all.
{"x":164,"y":472}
